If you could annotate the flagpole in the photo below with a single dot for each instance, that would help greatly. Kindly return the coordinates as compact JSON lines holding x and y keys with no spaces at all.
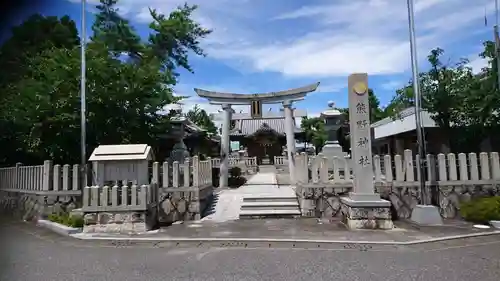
{"x":497,"y":43}
{"x":83,"y":117}
{"x":416,"y":91}
{"x":423,"y":213}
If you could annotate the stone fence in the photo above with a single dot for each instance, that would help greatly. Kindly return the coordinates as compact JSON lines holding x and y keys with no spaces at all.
{"x":280,"y":160}
{"x":248,"y":165}
{"x":124,"y":208}
{"x":33,"y":192}
{"x":185,"y":189}
{"x":450,"y":179}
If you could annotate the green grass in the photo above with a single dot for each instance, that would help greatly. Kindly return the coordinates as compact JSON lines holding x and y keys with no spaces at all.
{"x":66,"y":219}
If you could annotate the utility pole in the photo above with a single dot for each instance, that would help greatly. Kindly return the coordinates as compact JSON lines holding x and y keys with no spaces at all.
{"x":416,"y":92}
{"x":83,"y":101}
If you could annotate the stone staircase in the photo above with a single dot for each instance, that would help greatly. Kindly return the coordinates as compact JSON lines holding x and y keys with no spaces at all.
{"x":263,"y":198}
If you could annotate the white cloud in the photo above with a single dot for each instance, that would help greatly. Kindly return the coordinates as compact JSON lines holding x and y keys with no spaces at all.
{"x":328,"y":38}
{"x":392,"y":85}
{"x":477,"y":64}
{"x":358,"y":36}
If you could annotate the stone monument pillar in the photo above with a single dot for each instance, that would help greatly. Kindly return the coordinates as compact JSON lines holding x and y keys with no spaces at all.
{"x":225,"y":146}
{"x":290,"y":138}
{"x":333,"y":121}
{"x":363,"y":208}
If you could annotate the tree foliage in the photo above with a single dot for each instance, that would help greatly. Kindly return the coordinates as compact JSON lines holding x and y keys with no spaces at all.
{"x":463,"y":105}
{"x":41,"y":108}
{"x":314,"y":129}
{"x":34,"y":36}
{"x":200,"y":117}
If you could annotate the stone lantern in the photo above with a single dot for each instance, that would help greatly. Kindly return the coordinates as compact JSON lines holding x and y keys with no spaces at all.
{"x":333,"y":121}
{"x":179,"y":151}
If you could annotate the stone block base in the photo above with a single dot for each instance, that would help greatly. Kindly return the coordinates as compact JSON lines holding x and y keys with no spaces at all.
{"x":30,"y":206}
{"x":426,"y":215}
{"x":374,"y":214}
{"x":117,"y":222}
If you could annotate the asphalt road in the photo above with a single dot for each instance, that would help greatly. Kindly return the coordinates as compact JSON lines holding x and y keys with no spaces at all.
{"x":33,"y":254}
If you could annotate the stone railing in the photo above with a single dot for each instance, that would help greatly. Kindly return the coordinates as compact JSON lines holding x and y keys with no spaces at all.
{"x":36,"y":191}
{"x":280,"y":160}
{"x":120,"y":208}
{"x":451,"y":179}
{"x":237,"y":162}
{"x":248,"y":165}
{"x":185,"y":189}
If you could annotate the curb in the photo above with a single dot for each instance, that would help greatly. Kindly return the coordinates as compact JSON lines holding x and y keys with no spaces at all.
{"x":243,"y":241}
{"x":58,"y":228}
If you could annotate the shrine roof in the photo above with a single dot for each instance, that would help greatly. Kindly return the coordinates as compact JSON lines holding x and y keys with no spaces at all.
{"x":248,"y":127}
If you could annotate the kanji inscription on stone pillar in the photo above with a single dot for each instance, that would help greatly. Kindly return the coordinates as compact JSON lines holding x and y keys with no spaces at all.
{"x":359,"y":119}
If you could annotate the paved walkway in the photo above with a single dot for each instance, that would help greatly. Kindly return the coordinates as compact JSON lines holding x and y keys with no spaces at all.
{"x":228,"y":202}
{"x":304,"y":230}
{"x":34,"y":254}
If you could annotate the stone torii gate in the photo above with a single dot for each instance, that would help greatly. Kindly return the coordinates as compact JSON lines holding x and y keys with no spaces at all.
{"x":226,"y":100}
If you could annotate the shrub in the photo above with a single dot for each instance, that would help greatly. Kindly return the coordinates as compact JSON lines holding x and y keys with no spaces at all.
{"x":481,"y":210}
{"x":235,"y":182}
{"x":65,"y":219}
{"x":235,"y":172}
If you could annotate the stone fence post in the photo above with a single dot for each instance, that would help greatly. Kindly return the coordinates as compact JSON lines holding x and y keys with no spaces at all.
{"x":47,"y":175}
{"x":17,"y":176}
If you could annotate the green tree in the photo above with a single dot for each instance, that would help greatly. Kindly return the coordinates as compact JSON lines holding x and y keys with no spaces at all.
{"x":480,"y":98}
{"x":115,"y":31}
{"x":376,"y":113}
{"x":443,"y":88}
{"x":32,"y":37}
{"x":200,"y":117}
{"x":175,"y":36}
{"x":118,"y":111}
{"x":123,"y":99}
{"x":314,"y":129}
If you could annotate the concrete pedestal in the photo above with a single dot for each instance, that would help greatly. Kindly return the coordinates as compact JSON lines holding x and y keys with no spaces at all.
{"x":426,"y":215}
{"x":332,"y":149}
{"x":366,"y":214}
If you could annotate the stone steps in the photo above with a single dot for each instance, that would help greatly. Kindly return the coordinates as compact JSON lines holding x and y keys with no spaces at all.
{"x":263,"y":198}
{"x":261,"y":214}
{"x":269,"y":206}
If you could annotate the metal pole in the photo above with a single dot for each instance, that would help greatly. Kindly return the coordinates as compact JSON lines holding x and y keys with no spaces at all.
{"x":83,"y":124}
{"x":497,"y":43}
{"x":496,"y":12}
{"x":416,"y":91}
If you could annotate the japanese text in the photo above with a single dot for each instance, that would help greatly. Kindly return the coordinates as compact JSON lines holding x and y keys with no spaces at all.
{"x":362,"y":124}
{"x":361,"y":108}
{"x":364,"y":161}
{"x":363,"y":142}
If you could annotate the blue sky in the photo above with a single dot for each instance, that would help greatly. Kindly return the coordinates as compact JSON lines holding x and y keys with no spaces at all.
{"x":263,"y":45}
